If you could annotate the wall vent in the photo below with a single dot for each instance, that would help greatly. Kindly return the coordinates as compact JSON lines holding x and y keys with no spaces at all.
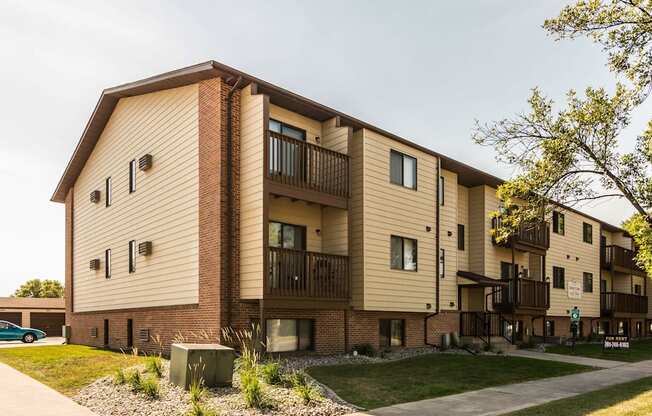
{"x":145,"y":162}
{"x":95,"y":264}
{"x":143,"y":335}
{"x":95,"y":197}
{"x":145,"y":248}
{"x":94,"y":332}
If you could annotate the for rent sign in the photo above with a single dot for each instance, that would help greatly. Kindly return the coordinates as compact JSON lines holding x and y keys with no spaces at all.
{"x":616,"y":342}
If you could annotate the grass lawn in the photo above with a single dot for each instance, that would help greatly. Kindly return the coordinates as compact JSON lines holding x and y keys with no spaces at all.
{"x":383,"y":384}
{"x":66,"y":368}
{"x":629,"y":399}
{"x":638,"y":351}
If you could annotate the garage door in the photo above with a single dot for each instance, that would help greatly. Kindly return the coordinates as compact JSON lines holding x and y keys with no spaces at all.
{"x":13,"y":317}
{"x":51,"y":323}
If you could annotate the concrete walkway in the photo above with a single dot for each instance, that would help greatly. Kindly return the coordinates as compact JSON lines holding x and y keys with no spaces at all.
{"x":571,"y":359}
{"x":38,"y":343}
{"x":22,"y":395}
{"x":504,"y":399}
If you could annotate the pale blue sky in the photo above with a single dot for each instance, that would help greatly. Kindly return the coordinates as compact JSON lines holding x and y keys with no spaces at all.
{"x":424,"y":72}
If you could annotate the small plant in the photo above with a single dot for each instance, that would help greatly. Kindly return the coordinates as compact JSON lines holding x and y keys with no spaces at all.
{"x":150,"y":387}
{"x":298,"y":378}
{"x":198,"y":409}
{"x":119,"y":377}
{"x":365,"y":349}
{"x":308,"y":393}
{"x":272,"y":373}
{"x":154,"y":365}
{"x":252,"y":389}
{"x":135,"y":380}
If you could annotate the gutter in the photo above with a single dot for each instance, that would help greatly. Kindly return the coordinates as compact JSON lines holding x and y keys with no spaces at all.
{"x":230,"y":237}
{"x":437,"y":254}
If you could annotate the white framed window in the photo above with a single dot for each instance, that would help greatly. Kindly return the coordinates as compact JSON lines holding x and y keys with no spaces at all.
{"x":107,"y":263}
{"x":108,"y":192}
{"x":132,"y":176}
{"x":133,"y":251}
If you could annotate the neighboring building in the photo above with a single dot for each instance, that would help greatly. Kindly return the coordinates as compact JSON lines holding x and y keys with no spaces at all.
{"x":46,"y":314}
{"x":205,"y":198}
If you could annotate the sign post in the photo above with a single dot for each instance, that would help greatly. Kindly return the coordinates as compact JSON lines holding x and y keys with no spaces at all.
{"x":575,"y":319}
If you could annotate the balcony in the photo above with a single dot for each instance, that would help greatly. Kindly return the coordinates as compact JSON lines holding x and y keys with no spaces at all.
{"x":302,"y":170}
{"x":521,"y":294}
{"x":612,"y":303}
{"x":619,"y":259}
{"x":534,"y":237}
{"x":306,"y":275}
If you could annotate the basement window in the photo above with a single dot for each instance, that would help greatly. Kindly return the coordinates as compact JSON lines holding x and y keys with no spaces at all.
{"x":289,"y":335}
{"x":391,"y":333}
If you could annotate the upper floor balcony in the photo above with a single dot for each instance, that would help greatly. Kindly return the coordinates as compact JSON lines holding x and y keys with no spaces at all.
{"x":534,"y":237}
{"x":302,"y":170}
{"x":521,"y":294}
{"x":612,"y":303}
{"x":619,"y":259}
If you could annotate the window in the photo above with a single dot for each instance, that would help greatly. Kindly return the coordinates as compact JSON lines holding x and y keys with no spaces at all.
{"x":391,"y":333}
{"x":4,"y":325}
{"x":107,"y":263}
{"x":108,"y":192}
{"x":106,"y":332}
{"x":287,"y":130}
{"x":558,"y":222}
{"x":558,"y":277}
{"x":288,"y":236}
{"x":133,"y":250}
{"x":460,"y":237}
{"x":285,"y":157}
{"x":289,"y":335}
{"x":130,"y":333}
{"x":550,"y":328}
{"x":588,"y":282}
{"x":441,"y":190}
{"x":132,"y":176}
{"x":442,"y":263}
{"x":587,"y":233}
{"x":403,"y":253}
{"x":402,"y":170}
{"x":637,"y":290}
{"x":507,"y":270}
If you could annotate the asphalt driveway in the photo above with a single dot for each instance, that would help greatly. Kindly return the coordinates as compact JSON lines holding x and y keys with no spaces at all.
{"x":39,"y":343}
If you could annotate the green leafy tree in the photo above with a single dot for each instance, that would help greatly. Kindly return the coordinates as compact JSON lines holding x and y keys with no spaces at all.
{"x":37,"y":288}
{"x":569,"y":153}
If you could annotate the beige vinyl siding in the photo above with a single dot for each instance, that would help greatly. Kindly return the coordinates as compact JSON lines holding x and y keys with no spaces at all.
{"x":164,"y":208}
{"x":335,"y":138}
{"x":251,"y":194}
{"x":299,"y":213}
{"x":390,"y":209}
{"x":448,"y":216}
{"x":312,"y":127}
{"x":576,"y":257}
{"x":463,"y":218}
{"x":357,"y":220}
{"x":477,"y":231}
{"x":335,"y":231}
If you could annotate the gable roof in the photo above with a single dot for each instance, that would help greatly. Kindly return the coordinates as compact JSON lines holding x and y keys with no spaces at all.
{"x":467,"y":175}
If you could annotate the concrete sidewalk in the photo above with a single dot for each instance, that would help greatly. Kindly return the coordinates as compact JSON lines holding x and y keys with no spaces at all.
{"x":39,"y":343}
{"x":571,"y":359}
{"x":22,"y":395}
{"x":504,"y":399}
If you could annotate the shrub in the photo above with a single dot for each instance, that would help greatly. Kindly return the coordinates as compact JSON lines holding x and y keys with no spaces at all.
{"x":197,"y":390}
{"x":119,"y":376}
{"x":308,"y":393}
{"x":298,"y":378}
{"x":154,"y":365}
{"x":272,"y":373}
{"x":365,"y":349}
{"x":150,"y":387}
{"x":252,"y":390}
{"x":135,"y":380}
{"x":197,"y":409}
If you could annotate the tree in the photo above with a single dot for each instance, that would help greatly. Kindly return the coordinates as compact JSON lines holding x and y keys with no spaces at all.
{"x":569,"y":154}
{"x":37,"y":288}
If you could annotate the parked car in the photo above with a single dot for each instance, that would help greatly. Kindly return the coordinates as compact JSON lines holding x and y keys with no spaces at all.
{"x":12,"y":332}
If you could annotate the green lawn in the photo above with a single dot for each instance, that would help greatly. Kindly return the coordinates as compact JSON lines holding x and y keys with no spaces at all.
{"x":629,"y":399}
{"x":383,"y":384}
{"x":638,"y":351}
{"x":66,"y":368}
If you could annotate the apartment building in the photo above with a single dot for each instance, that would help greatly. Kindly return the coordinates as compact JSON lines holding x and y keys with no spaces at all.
{"x":206,"y":198}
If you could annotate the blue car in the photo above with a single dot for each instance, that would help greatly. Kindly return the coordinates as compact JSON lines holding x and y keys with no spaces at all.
{"x":11,"y":332}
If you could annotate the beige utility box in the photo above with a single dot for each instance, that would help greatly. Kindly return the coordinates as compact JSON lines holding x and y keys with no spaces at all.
{"x":213,"y":362}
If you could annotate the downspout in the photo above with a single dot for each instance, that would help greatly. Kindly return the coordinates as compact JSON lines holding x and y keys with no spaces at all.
{"x":229,"y":202}
{"x":437,"y":254}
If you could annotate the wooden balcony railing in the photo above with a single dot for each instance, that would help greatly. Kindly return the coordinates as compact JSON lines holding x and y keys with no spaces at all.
{"x":618,"y":257}
{"x":613,"y":302}
{"x":296,"y":274}
{"x":305,"y":165}
{"x":535,"y":235}
{"x":522,"y":293}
